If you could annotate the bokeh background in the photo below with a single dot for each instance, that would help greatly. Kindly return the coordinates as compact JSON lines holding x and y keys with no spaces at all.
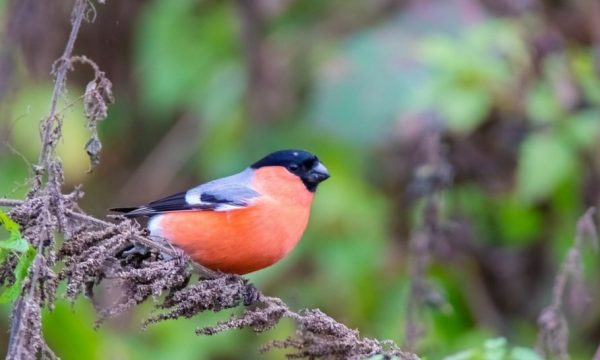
{"x":490,"y":109}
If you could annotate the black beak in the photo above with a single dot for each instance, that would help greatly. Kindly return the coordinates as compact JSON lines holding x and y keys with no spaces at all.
{"x":318,"y":174}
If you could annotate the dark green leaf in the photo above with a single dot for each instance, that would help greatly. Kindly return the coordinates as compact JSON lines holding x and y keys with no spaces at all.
{"x":10,"y":293}
{"x":16,"y":243}
{"x":545,"y":161}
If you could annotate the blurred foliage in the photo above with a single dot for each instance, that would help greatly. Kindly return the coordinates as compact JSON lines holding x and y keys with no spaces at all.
{"x":518,"y":114}
{"x":496,"y":349}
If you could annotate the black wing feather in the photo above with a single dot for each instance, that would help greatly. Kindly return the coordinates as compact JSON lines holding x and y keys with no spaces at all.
{"x":175,"y":202}
{"x":216,"y":199}
{"x":170,"y":203}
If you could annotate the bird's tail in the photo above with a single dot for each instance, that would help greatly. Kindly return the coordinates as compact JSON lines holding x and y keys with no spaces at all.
{"x":132,"y":212}
{"x":123,"y":209}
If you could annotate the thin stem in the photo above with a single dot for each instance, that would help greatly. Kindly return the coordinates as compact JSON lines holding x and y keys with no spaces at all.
{"x":60,"y":79}
{"x":14,"y":345}
{"x":10,"y":202}
{"x":19,"y":313}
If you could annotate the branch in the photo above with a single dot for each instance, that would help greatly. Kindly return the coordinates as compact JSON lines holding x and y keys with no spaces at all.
{"x":318,"y":336}
{"x":26,"y":339}
{"x":25,"y":309}
{"x":60,"y":71}
{"x":10,"y":202}
{"x":422,"y":243}
{"x":553,"y":338}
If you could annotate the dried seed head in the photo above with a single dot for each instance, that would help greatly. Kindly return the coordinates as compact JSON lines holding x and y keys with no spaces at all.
{"x":89,"y":255}
{"x":320,"y":336}
{"x":98,"y":94}
{"x":554,"y":333}
{"x":261,"y":318}
{"x":152,"y":278}
{"x":26,"y":340}
{"x":224,"y":292}
{"x":7,"y":270}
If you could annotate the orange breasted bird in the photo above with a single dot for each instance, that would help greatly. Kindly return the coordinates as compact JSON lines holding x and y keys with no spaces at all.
{"x":243,"y":222}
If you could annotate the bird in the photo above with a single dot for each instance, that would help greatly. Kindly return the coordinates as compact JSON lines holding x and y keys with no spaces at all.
{"x":244,"y":222}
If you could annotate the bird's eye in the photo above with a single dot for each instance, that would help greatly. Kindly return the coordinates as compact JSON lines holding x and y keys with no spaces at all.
{"x":292,"y":167}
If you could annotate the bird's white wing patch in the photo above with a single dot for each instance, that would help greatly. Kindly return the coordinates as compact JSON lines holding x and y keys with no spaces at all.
{"x":226,"y":194}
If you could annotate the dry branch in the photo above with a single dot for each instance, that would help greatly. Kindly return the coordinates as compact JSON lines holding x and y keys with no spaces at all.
{"x":51,"y":126}
{"x":26,"y":339}
{"x":318,"y":335}
{"x":553,"y":338}
{"x":436,"y":174}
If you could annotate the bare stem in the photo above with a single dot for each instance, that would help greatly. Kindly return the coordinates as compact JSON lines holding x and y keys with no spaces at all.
{"x":15,"y":346}
{"x":50,"y":128}
{"x":597,"y":354}
{"x":421,"y":243}
{"x":60,"y":78}
{"x":10,"y":202}
{"x":553,"y":336}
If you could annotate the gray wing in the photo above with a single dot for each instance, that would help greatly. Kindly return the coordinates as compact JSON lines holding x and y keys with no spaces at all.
{"x":225,"y":194}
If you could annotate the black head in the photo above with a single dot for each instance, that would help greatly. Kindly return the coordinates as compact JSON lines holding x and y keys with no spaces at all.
{"x":301,"y":163}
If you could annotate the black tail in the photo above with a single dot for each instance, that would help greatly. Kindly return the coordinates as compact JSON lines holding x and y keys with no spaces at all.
{"x":132,"y":212}
{"x":123,"y":210}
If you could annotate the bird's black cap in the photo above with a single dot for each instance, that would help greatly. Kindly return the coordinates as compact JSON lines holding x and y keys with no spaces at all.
{"x":299,"y":162}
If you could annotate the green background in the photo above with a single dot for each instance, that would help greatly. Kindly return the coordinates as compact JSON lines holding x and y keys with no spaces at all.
{"x":514,"y":93}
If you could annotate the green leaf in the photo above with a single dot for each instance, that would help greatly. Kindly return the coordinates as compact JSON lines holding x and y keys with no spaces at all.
{"x":542,"y":105}
{"x":584,"y":67}
{"x":16,"y":243}
{"x":522,"y":353}
{"x":8,"y":224}
{"x":518,"y":224}
{"x":464,"y":108}
{"x":545,"y":161}
{"x":463,"y":355}
{"x":10,"y":293}
{"x":583,"y":128}
{"x":495,"y":349}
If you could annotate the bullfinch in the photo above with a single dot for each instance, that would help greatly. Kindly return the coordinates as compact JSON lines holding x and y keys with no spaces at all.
{"x":243,"y":222}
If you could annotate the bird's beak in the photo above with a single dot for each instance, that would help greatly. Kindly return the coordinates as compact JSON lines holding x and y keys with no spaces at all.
{"x":318,"y":173}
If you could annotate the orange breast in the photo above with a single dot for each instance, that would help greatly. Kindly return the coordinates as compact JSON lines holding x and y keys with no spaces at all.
{"x":244,"y":240}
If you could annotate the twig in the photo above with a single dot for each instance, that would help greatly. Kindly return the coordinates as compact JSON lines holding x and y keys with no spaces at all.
{"x":438,"y":175}
{"x":10,"y":202}
{"x":553,"y":338}
{"x":28,"y":306}
{"x":597,"y":354}
{"x":61,"y":71}
{"x":15,"y":347}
